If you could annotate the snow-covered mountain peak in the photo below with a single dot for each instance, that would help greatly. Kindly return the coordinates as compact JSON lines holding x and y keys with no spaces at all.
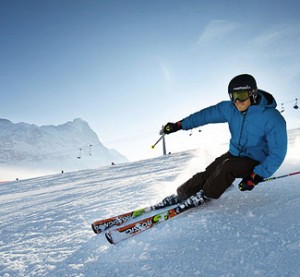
{"x":48,"y":149}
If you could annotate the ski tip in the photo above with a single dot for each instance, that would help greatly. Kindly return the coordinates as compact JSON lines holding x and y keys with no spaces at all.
{"x":97,"y":231}
{"x":109,"y":237}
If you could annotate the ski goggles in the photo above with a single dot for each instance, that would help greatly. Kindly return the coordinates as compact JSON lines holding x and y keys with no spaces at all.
{"x":241,"y":95}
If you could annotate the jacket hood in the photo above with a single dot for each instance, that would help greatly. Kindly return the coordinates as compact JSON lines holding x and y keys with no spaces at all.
{"x":266,"y":99}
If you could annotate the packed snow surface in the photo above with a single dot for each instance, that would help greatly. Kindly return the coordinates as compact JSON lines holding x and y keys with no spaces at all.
{"x":45,"y":224}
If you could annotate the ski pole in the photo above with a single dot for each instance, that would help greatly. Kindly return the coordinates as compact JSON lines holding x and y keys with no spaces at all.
{"x":282,"y":176}
{"x":152,"y":146}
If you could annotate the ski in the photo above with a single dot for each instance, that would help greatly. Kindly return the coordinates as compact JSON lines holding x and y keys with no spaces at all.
{"x":122,"y":233}
{"x":104,"y":224}
{"x":100,"y":226}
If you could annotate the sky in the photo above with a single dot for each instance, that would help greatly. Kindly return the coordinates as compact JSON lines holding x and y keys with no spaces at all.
{"x":128,"y":67}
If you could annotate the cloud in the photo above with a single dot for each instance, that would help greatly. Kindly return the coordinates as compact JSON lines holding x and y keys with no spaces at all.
{"x":165,"y":69}
{"x":267,"y":38}
{"x":216,"y":30}
{"x":166,"y":72}
{"x":284,"y":38}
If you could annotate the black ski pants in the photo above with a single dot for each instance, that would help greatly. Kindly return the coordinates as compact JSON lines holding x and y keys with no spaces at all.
{"x":218,"y":176}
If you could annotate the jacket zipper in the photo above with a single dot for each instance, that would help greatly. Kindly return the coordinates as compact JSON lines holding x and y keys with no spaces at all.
{"x":240,"y":137}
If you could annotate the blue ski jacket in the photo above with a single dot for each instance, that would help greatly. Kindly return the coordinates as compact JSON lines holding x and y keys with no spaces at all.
{"x":259,"y":133}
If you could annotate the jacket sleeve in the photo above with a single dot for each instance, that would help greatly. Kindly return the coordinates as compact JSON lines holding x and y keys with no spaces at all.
{"x":214,"y":114}
{"x":277,"y":146}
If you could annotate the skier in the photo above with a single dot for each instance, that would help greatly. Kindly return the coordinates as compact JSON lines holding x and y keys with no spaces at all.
{"x":257,"y":146}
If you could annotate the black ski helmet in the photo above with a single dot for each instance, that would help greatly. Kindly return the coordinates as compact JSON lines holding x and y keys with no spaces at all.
{"x":243,"y":82}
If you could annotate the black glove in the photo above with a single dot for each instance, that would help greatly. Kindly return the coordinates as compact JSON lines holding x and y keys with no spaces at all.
{"x":172,"y":127}
{"x":249,"y":182}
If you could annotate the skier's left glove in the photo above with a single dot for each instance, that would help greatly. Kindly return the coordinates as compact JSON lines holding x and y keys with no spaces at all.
{"x":249,"y":182}
{"x":172,"y":127}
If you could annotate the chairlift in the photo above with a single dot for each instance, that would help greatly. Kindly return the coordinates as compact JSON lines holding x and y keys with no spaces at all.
{"x":282,"y":108}
{"x":90,"y":150}
{"x":296,"y":105}
{"x":191,"y":133}
{"x":79,"y":156}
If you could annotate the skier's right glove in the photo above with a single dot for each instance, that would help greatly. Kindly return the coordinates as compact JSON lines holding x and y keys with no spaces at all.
{"x":172,"y":127}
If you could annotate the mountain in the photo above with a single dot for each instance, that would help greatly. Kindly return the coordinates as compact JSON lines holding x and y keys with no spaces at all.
{"x":50,"y":149}
{"x":294,"y":135}
{"x":45,"y":223}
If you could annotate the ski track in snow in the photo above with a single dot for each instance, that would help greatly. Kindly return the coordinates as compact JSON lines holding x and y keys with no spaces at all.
{"x":45,"y":225}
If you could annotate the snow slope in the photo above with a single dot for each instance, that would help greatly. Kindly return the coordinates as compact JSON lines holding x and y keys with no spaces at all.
{"x":45,"y":224}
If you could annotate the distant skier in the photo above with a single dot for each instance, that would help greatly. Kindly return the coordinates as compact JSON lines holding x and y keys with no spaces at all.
{"x":257,"y":146}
